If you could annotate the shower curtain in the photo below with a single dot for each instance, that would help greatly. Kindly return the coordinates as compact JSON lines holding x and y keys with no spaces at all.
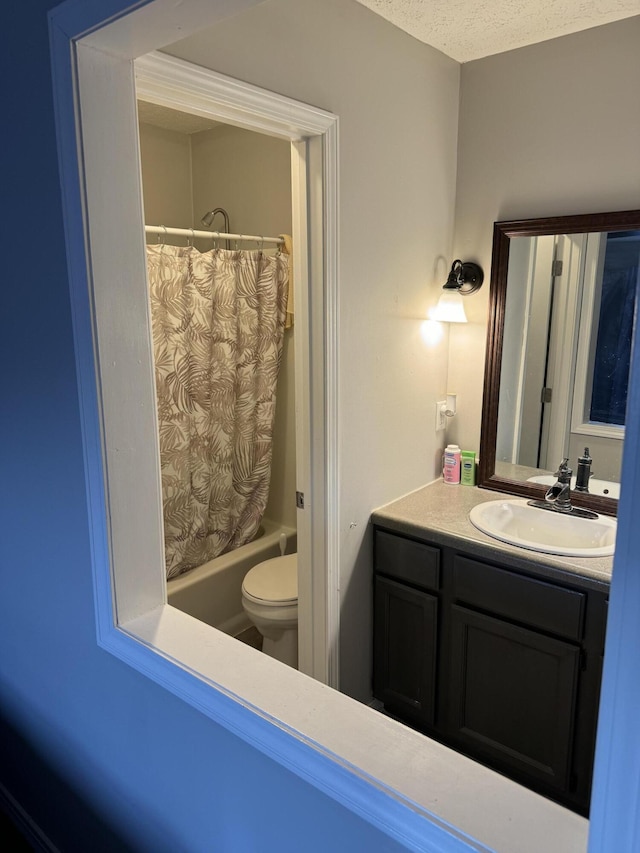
{"x":218,"y":323}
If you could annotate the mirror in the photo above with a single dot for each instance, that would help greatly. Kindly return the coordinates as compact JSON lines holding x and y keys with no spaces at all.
{"x":562,"y":309}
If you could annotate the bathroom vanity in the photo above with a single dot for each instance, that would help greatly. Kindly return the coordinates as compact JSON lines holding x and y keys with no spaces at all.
{"x":494,"y":650}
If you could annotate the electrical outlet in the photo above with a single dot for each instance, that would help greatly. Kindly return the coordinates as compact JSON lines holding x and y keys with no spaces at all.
{"x":441,"y":418}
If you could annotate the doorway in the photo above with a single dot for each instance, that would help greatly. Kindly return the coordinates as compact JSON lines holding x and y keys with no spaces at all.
{"x":213,"y":176}
{"x":170,"y":83}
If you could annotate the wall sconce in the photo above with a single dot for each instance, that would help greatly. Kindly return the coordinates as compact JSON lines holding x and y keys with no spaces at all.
{"x":464,"y":278}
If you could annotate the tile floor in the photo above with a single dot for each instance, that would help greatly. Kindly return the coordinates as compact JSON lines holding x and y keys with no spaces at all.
{"x":252,"y":637}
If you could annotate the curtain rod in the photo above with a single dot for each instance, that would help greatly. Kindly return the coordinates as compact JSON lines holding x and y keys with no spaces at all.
{"x":214,"y":235}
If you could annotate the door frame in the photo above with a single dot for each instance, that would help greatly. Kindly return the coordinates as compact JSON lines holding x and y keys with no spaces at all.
{"x":174,"y":83}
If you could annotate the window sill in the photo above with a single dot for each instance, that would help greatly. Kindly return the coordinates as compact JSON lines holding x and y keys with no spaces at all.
{"x":310,"y":728}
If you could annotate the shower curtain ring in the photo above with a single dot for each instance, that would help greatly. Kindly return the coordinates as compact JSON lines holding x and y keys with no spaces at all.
{"x":192,"y":238}
{"x":162,"y":237}
{"x":216,"y":237}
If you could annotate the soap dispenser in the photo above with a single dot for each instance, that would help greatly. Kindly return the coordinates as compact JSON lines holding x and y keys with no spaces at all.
{"x":584,"y":472}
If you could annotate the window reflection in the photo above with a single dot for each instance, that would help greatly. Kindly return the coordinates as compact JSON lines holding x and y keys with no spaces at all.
{"x":615,"y":328}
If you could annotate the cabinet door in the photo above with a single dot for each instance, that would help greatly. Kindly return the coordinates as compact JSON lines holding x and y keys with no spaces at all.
{"x":513,"y":697}
{"x":405,"y":650}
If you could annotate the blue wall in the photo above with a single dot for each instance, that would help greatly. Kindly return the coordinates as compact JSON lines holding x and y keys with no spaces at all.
{"x":161,"y":774}
{"x":75,"y":723}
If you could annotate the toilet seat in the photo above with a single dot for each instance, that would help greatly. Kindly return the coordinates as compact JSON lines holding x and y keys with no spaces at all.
{"x":270,"y":600}
{"x":273,"y":583}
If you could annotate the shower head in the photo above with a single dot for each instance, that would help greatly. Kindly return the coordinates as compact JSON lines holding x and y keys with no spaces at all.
{"x":208,"y":218}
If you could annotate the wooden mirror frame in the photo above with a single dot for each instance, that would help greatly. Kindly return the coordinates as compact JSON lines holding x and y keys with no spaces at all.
{"x":502,"y":233}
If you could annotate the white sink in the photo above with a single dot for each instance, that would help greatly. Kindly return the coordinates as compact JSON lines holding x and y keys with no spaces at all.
{"x":596,"y":487}
{"x":549,"y":532}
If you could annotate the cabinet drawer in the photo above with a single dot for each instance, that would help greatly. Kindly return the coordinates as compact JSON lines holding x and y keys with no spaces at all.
{"x":407,"y":560}
{"x":527,"y":600}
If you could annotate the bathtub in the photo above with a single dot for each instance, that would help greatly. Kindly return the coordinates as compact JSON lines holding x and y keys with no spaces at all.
{"x":212,"y":592}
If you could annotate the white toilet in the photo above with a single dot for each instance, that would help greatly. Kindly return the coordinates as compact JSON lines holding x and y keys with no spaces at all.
{"x":270,"y":600}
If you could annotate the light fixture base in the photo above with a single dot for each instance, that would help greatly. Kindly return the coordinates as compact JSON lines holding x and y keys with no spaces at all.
{"x":472,"y":276}
{"x":465,"y":277}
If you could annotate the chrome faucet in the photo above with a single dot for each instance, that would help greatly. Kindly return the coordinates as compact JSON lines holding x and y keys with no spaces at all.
{"x":558,"y":496}
{"x":560,"y":493}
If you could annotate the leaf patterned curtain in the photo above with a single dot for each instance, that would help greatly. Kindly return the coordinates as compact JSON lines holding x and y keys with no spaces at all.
{"x":218,"y":323}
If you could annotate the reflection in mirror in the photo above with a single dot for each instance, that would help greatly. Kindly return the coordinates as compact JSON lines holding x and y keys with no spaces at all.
{"x":563,"y":294}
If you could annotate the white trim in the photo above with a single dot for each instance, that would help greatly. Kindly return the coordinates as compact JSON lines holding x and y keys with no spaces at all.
{"x":587,"y":341}
{"x":319,"y":650}
{"x":566,"y":306}
{"x":591,"y":287}
{"x":519,"y":401}
{"x":143,"y":25}
{"x":174,"y":83}
{"x":170,"y":82}
{"x":538,"y":314}
{"x":331,"y":337}
{"x":122,"y":339}
{"x":302,"y":359}
{"x":600,"y":430}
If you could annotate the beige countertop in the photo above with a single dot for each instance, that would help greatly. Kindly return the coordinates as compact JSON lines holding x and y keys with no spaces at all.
{"x":440,"y":513}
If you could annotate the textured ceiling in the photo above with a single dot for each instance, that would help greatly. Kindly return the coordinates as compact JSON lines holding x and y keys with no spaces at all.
{"x":471,"y":29}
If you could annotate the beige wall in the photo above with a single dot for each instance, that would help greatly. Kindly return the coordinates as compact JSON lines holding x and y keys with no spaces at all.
{"x":249,"y":174}
{"x":545,"y":130}
{"x":166,"y":177}
{"x":397,"y":103}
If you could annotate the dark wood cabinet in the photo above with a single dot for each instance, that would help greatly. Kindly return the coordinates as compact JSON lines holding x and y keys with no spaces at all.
{"x":498,"y":663}
{"x":406,"y":620}
{"x":513,"y":696}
